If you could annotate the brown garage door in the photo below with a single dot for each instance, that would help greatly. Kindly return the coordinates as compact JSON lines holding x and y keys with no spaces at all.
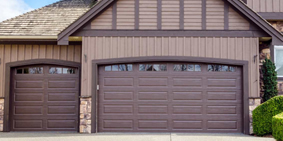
{"x":170,"y":97}
{"x":44,"y":98}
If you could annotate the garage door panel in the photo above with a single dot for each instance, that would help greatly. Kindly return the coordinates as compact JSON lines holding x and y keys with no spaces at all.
{"x":61,"y":124}
{"x":118,"y":124}
{"x":153,"y":125}
{"x":62,"y":84}
{"x":187,"y":125}
{"x":118,"y":82}
{"x":28,"y":110}
{"x":62,"y":97}
{"x":29,"y":84}
{"x":118,"y":96}
{"x":61,"y":110}
{"x":187,"y":95}
{"x":28,"y":97}
{"x":27,"y":124}
{"x":170,"y":101}
{"x":188,"y":82}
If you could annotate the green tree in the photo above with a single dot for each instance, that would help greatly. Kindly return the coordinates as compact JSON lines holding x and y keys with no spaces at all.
{"x":269,"y":80}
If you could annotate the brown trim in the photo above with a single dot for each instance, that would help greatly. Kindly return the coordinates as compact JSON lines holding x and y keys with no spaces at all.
{"x":226,"y":15}
{"x":182,"y":13}
{"x":114,"y":16}
{"x":271,"y":15}
{"x":203,"y":15}
{"x":159,"y":14}
{"x":177,"y":33}
{"x":35,"y":42}
{"x":272,"y":51}
{"x":11,"y":65}
{"x":244,"y":64}
{"x":63,"y":36}
{"x":137,"y":14}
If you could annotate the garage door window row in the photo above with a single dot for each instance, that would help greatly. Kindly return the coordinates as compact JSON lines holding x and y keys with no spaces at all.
{"x":221,"y":68}
{"x":30,"y":70}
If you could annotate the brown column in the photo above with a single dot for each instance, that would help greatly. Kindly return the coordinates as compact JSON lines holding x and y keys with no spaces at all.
{"x":85,"y":115}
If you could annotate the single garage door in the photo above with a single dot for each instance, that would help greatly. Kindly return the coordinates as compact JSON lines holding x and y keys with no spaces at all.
{"x":170,"y":97}
{"x":44,"y":98}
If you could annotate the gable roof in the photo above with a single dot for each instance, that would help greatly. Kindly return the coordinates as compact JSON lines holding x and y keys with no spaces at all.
{"x":238,"y":4}
{"x":46,"y":21}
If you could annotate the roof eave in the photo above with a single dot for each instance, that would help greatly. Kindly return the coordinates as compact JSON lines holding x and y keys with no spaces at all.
{"x":28,"y":37}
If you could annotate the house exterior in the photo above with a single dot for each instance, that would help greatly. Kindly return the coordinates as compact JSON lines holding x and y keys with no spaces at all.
{"x":136,"y":65}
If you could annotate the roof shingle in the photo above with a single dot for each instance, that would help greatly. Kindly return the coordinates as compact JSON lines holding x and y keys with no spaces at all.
{"x":46,"y":21}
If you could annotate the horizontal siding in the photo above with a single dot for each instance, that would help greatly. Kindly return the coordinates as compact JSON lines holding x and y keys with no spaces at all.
{"x":170,"y":14}
{"x":266,"y":5}
{"x":125,"y":14}
{"x":236,"y":21}
{"x":214,"y":15}
{"x":14,"y":53}
{"x":193,"y":14}
{"x":147,"y":14}
{"x":119,"y":47}
{"x":103,"y":21}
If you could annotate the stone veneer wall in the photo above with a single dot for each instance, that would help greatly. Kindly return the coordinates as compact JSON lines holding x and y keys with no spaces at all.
{"x":85,"y":115}
{"x":1,"y":114}
{"x":253,"y":104}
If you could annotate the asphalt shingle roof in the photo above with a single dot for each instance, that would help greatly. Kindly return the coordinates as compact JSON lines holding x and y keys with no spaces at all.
{"x":46,"y":21}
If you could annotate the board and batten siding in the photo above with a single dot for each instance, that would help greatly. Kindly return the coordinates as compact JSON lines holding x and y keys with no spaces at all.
{"x":266,"y":5}
{"x":171,"y":16}
{"x":220,"y":47}
{"x":14,"y":53}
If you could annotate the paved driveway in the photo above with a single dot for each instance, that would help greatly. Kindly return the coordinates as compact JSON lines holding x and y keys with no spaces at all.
{"x":67,"y":136}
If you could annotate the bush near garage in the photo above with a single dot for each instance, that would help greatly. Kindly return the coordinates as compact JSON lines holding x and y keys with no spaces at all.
{"x":277,"y":127}
{"x":269,"y":79}
{"x":262,"y":115}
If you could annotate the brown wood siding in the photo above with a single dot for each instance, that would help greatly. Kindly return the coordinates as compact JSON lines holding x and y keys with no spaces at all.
{"x":170,"y":14}
{"x":103,"y":21}
{"x":215,"y":14}
{"x":148,"y":14}
{"x":236,"y":21}
{"x":192,"y":14}
{"x":125,"y":14}
{"x":119,"y":47}
{"x":266,"y":5}
{"x":14,"y":53}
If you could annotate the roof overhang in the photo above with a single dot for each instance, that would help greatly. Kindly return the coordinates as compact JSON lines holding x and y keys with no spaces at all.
{"x":28,"y":37}
{"x":277,"y":37}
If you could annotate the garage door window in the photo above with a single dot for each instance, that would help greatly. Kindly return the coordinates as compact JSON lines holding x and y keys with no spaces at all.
{"x":121,"y":67}
{"x":152,"y":67}
{"x":59,"y":70}
{"x":187,"y":67}
{"x":30,"y":70}
{"x":221,"y":68}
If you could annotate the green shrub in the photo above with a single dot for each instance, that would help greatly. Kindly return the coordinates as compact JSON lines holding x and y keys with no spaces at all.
{"x":269,"y":80}
{"x":262,"y":115}
{"x":277,"y":127}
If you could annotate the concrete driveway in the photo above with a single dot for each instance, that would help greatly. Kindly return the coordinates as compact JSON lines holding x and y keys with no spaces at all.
{"x":67,"y":136}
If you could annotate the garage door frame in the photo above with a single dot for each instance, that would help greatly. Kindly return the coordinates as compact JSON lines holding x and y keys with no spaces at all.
{"x":243,"y":64}
{"x":11,"y":65}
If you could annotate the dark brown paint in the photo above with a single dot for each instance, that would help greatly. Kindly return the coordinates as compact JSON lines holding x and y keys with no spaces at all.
{"x":8,"y":74}
{"x":243,"y":64}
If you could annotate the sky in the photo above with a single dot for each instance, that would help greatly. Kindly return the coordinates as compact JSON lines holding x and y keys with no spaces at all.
{"x":13,"y":8}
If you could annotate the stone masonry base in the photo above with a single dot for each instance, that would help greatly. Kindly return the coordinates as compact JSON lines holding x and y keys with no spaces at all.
{"x":253,"y":104}
{"x":1,"y":114}
{"x":85,"y":115}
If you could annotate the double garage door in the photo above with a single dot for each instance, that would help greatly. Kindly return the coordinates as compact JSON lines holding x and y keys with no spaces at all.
{"x":170,"y":97}
{"x":44,"y":98}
